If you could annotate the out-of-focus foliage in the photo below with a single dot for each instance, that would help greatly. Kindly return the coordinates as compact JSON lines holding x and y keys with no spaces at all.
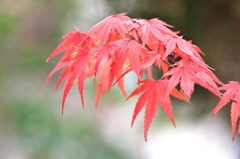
{"x":30,"y":128}
{"x":6,"y":24}
{"x":28,"y":29}
{"x":38,"y":133}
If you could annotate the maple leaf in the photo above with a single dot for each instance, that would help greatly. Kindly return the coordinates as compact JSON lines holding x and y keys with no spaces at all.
{"x":153,"y":27}
{"x":103,"y":55}
{"x":103,"y":81}
{"x":183,"y":45}
{"x":187,"y":76}
{"x":72,"y":40}
{"x":132,"y":50}
{"x":105,"y":78}
{"x":201,"y":65}
{"x":153,"y":94}
{"x":69,"y":45}
{"x":79,"y":67}
{"x":83,"y":64}
{"x":77,"y":60}
{"x":232,"y":94}
{"x":154,"y":57}
{"x":103,"y":29}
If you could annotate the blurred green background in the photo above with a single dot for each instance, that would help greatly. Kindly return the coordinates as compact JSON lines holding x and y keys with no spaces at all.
{"x":31,"y":125}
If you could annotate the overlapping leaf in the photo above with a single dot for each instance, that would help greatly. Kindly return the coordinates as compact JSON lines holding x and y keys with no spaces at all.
{"x":232,"y":94}
{"x":187,"y":76}
{"x":131,"y":49}
{"x":153,"y":27}
{"x":82,"y":68}
{"x":183,"y":45}
{"x":103,"y":29}
{"x":69,"y":45}
{"x":153,"y":94}
{"x":77,"y":60}
{"x":72,"y":40}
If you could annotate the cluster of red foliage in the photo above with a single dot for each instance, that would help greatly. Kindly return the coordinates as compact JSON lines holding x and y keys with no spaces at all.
{"x":118,"y":45}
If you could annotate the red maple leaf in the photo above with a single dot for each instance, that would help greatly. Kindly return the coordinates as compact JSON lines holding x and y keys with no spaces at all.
{"x":103,"y":80}
{"x":131,"y":49}
{"x":183,"y":45}
{"x":82,"y":68}
{"x":103,"y":55}
{"x":201,"y":65}
{"x":72,"y":40}
{"x":153,"y":94}
{"x":69,"y":45}
{"x":103,"y":29}
{"x":153,"y":28}
{"x":232,"y":94}
{"x":79,"y":66}
{"x":187,"y":76}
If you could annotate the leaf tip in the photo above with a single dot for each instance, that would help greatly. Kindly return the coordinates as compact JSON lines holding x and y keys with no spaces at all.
{"x":145,"y":139}
{"x":213,"y":114}
{"x":62,"y":110}
{"x":96,"y":105}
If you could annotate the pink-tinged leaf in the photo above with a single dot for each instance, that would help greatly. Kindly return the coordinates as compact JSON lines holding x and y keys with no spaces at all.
{"x":150,"y":113}
{"x":141,"y":88}
{"x":232,"y":94}
{"x":231,"y":90}
{"x":68,"y":84}
{"x":71,"y":54}
{"x":80,"y":67}
{"x":234,"y":117}
{"x":154,"y":27}
{"x":121,"y":85}
{"x":72,"y":39}
{"x":103,"y":29}
{"x":153,"y":93}
{"x":201,"y":65}
{"x":175,"y":78}
{"x":150,"y":58}
{"x":132,"y":50}
{"x":207,"y":82}
{"x":187,"y":76}
{"x":103,"y":80}
{"x":171,"y":45}
{"x":142,"y":100}
{"x":180,"y":95}
{"x":165,"y":103}
{"x":69,"y":68}
{"x":103,"y":55}
{"x":80,"y":82}
{"x":187,"y":84}
{"x":183,"y":45}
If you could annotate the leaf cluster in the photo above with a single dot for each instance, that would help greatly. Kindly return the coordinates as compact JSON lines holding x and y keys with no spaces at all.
{"x":118,"y":45}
